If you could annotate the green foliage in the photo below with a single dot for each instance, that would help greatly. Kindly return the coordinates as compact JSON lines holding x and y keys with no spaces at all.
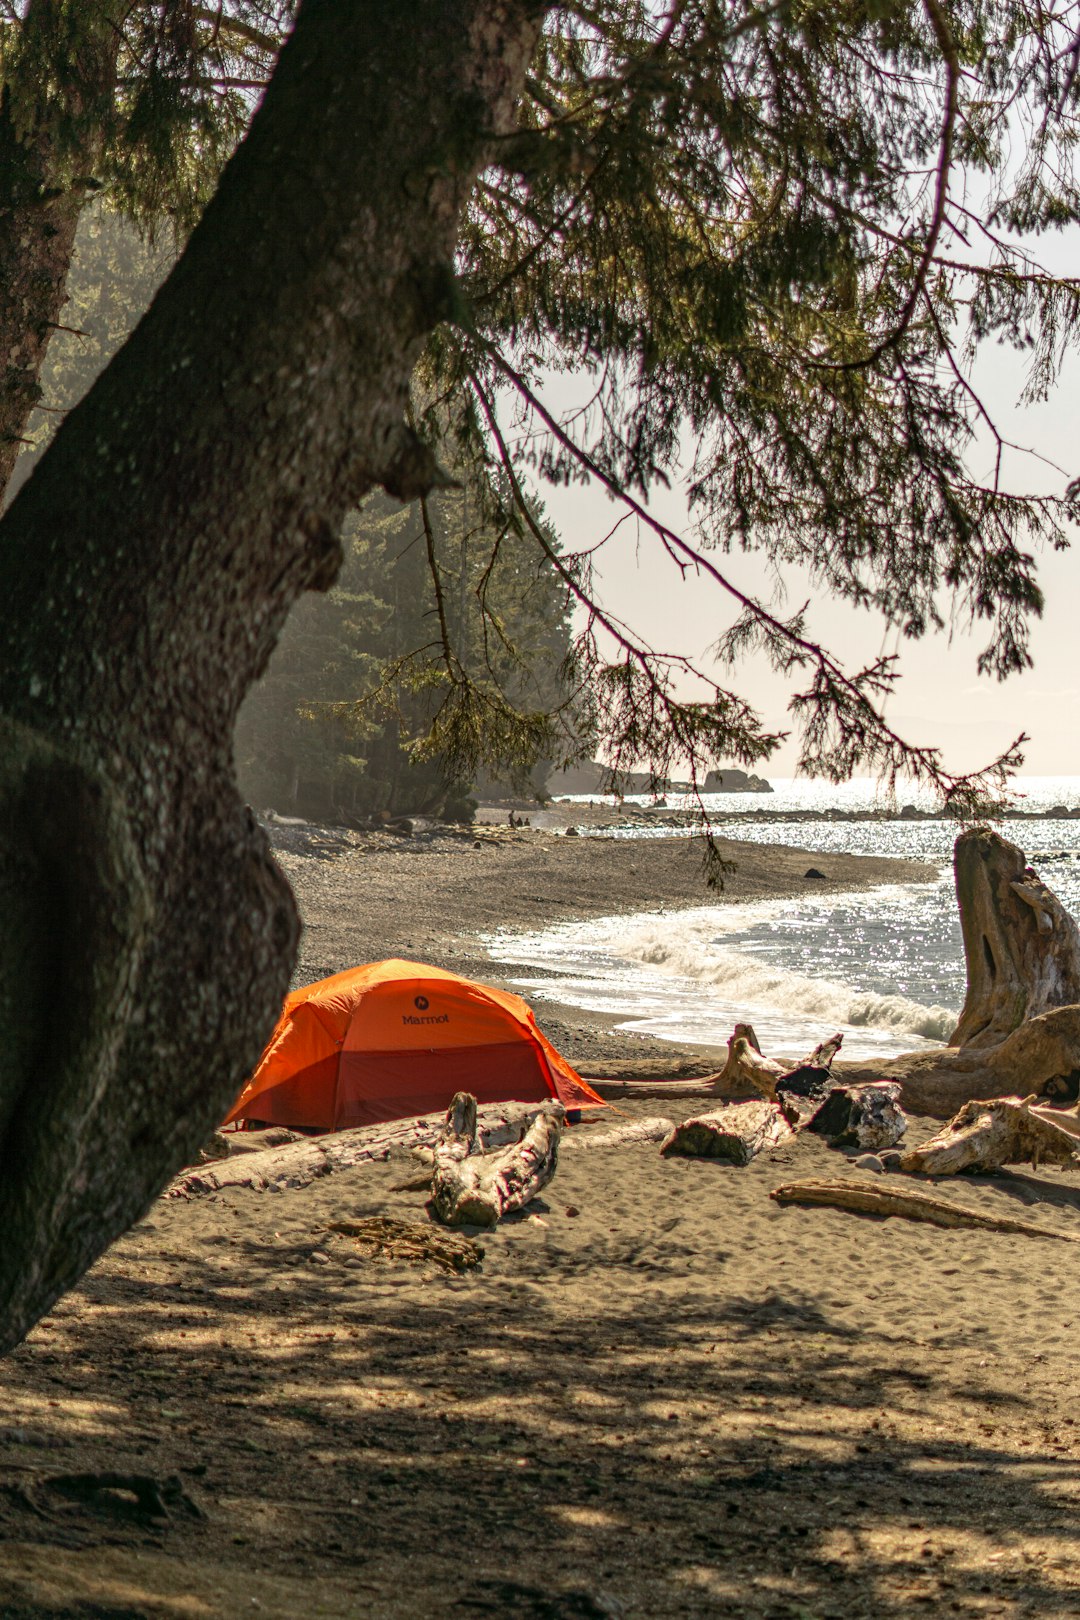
{"x":144,"y":101}
{"x":442,"y":652}
{"x":776,"y":236}
{"x":755,"y":229}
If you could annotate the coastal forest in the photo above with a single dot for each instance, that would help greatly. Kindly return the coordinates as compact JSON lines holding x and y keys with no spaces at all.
{"x":769,"y":238}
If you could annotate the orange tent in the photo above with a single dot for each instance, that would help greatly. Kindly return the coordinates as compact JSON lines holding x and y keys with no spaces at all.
{"x":392,"y":1039}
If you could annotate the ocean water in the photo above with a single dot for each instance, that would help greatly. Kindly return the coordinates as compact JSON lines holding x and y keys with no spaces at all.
{"x":885,"y":965}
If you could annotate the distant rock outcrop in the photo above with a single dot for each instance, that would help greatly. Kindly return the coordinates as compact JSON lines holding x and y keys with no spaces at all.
{"x":591,"y":777}
{"x":730,"y":780}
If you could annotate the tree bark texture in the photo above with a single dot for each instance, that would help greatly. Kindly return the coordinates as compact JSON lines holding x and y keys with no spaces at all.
{"x":149,"y":565}
{"x":39,"y":215}
{"x":1021,"y":947}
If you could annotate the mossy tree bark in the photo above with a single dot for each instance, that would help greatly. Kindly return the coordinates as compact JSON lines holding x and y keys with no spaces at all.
{"x":148,"y":567}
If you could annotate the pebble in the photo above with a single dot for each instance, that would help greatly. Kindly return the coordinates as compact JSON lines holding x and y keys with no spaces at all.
{"x":869,"y":1161}
{"x":891,"y":1161}
{"x":319,"y":1257}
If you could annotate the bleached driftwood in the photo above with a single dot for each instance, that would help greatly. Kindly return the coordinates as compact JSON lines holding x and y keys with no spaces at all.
{"x":1040,"y":1057}
{"x":747,"y":1071}
{"x":865,"y":1198}
{"x":1019,"y":1031}
{"x":651,"y":1129}
{"x":867,"y":1117}
{"x":735,"y":1133}
{"x":305,"y":1161}
{"x":1021,"y":946}
{"x":471,"y":1187}
{"x":985,"y":1135}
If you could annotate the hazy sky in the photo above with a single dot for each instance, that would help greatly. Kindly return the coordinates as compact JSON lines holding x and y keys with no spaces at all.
{"x":940,"y":700}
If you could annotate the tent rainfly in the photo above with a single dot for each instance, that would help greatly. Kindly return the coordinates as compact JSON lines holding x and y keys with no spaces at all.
{"x":391,"y":1039}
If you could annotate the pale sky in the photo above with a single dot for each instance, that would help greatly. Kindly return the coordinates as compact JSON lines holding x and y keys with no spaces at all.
{"x":940,"y":700}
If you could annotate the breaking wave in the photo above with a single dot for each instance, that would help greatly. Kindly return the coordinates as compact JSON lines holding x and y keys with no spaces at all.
{"x":735,"y":977}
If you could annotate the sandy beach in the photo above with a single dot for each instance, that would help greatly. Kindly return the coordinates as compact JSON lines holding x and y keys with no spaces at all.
{"x":659,"y":1394}
{"x":369,"y":896}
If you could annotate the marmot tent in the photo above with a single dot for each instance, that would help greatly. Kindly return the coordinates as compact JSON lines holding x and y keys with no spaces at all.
{"x":396,"y":1038}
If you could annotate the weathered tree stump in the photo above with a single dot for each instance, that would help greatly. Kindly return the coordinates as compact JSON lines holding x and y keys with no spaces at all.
{"x":802,"y":1089}
{"x":985,"y":1135}
{"x":473,"y":1188}
{"x":1019,"y":1031}
{"x":735,"y":1133}
{"x":866,"y":1117}
{"x":1021,"y":946}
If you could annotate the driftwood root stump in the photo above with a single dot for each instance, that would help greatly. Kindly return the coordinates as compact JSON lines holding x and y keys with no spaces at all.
{"x":865,"y":1117}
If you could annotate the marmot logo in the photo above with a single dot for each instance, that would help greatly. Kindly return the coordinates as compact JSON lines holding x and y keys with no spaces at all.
{"x":432,"y":1018}
{"x":421,"y":1003}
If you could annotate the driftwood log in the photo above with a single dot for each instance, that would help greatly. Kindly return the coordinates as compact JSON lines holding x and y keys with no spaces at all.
{"x":735,"y":1133}
{"x":651,"y":1129}
{"x":474,"y":1188}
{"x":1019,"y":1031}
{"x":801,"y":1091}
{"x":419,"y":1241}
{"x":867,"y":1117}
{"x":747,"y":1072}
{"x":985,"y":1135}
{"x":863,"y":1198}
{"x":299,"y":1163}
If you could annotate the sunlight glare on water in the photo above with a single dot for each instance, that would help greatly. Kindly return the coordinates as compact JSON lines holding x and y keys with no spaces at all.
{"x":885,"y":965}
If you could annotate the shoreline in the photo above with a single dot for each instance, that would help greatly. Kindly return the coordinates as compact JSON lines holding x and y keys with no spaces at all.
{"x":368,"y":896}
{"x":711,"y":1404}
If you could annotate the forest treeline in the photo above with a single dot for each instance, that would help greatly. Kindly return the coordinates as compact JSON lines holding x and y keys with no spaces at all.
{"x":346,"y":721}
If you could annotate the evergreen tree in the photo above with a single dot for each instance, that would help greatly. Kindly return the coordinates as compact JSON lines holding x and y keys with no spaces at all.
{"x":141,"y":103}
{"x":429,"y":614}
{"x":741,"y":219}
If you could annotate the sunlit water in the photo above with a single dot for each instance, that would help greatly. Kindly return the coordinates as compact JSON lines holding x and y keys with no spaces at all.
{"x":885,"y":965}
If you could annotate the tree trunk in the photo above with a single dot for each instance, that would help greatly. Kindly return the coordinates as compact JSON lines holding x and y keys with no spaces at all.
{"x":37,"y":238}
{"x":149,"y":564}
